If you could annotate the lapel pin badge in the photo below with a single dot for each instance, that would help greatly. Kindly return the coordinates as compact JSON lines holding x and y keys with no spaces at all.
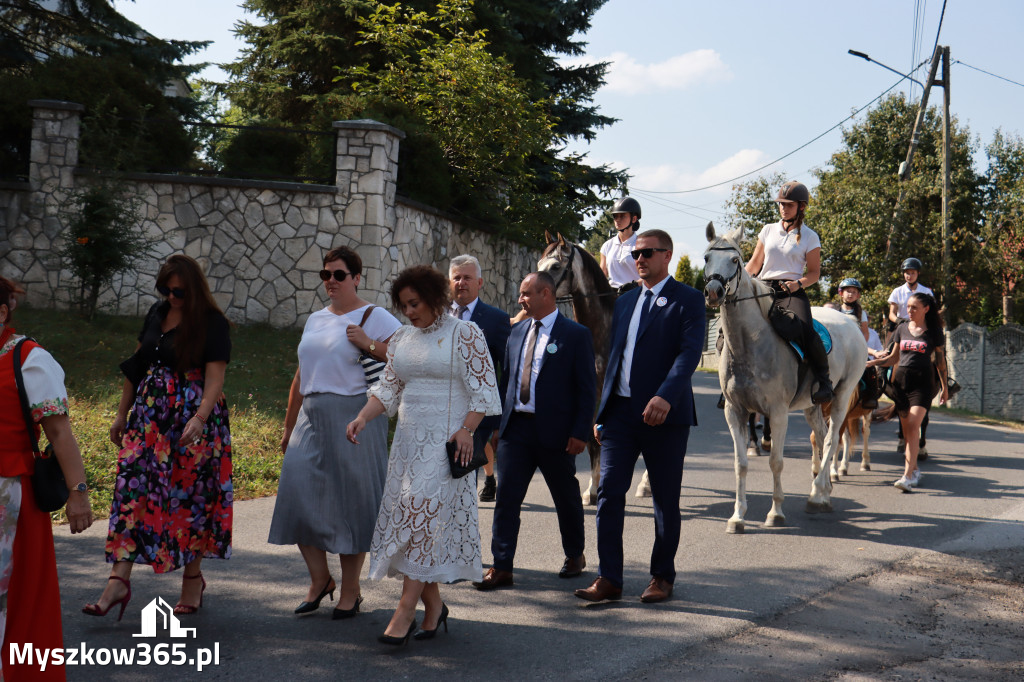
{"x":662,"y":301}
{"x":552,"y":348}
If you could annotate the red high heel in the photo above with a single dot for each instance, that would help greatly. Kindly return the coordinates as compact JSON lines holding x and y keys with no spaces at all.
{"x":95,"y":610}
{"x":185,"y":609}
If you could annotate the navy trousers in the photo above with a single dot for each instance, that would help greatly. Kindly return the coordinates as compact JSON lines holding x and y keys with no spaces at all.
{"x":623,"y":439}
{"x":519,"y":456}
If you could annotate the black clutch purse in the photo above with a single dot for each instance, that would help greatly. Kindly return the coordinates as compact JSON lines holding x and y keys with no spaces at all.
{"x":48,"y":484}
{"x":459,"y":470}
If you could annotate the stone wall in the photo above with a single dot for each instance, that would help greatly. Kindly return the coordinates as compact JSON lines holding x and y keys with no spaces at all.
{"x":260,"y":243}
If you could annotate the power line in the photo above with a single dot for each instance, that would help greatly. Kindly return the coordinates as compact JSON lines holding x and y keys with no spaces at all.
{"x":644,"y":194}
{"x":784,"y":156}
{"x":1002,"y":78}
{"x":939,"y":30}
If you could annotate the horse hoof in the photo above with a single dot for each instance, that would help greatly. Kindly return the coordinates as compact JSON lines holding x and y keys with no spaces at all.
{"x":735,"y":528}
{"x":865,"y":467}
{"x":643,"y":491}
{"x":775,"y":521}
{"x":819,"y":507}
{"x":589,"y":500}
{"x":844,"y":471}
{"x":922,"y":454}
{"x":766,"y":444}
{"x":752,"y":451}
{"x":834,"y":478}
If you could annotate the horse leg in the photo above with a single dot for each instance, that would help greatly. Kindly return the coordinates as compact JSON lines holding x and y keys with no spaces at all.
{"x":817,"y":423}
{"x":643,"y":488}
{"x":590,"y":494}
{"x":820,"y":499}
{"x":752,"y":448}
{"x":865,"y":454}
{"x":780,"y":423}
{"x":734,"y":418}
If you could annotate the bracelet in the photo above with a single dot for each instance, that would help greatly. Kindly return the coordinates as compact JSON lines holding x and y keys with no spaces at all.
{"x":471,"y":431}
{"x":200,"y":417}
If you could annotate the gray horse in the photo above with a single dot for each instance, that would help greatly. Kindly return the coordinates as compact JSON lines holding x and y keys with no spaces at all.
{"x":758,"y":372}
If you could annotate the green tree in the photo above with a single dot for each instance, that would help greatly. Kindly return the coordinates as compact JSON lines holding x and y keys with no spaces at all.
{"x":853,"y":205}
{"x":687,"y":274}
{"x":751,"y":206}
{"x":298,"y":69}
{"x":1003,"y":232}
{"x":103,"y":238}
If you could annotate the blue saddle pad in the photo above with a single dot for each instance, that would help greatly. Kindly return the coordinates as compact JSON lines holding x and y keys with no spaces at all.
{"x":826,"y":340}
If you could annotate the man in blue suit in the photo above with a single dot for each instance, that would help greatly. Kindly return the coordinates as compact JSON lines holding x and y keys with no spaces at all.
{"x":647,"y":407}
{"x":466,"y":278}
{"x":549,"y":385}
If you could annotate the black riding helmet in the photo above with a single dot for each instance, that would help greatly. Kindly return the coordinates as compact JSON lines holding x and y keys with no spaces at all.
{"x":911,"y":264}
{"x":627,"y":205}
{"x":795,"y":191}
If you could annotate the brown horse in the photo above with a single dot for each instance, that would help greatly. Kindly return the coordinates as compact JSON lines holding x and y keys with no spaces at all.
{"x":579,"y":280}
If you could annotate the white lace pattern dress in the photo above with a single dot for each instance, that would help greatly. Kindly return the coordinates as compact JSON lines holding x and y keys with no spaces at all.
{"x":427,"y":527}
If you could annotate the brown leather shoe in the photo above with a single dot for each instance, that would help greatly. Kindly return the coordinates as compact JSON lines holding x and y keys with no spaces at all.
{"x":493,"y":579}
{"x":599,"y":590}
{"x":658,"y":590}
{"x":573,"y":566}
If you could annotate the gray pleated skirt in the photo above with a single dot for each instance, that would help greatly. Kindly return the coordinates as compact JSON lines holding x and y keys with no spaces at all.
{"x":330,"y":489}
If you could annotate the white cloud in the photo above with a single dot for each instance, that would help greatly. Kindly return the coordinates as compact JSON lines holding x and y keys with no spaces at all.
{"x":627,"y":76}
{"x":673,"y":177}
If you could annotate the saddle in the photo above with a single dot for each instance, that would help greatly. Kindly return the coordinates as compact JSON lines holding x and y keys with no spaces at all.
{"x":789,"y":328}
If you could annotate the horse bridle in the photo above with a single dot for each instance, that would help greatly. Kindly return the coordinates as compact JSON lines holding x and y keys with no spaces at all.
{"x":716,"y":277}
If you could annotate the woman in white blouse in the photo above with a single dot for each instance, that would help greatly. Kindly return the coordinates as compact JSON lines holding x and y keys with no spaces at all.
{"x":788,"y":258}
{"x":330,"y":491}
{"x":616,"y":262}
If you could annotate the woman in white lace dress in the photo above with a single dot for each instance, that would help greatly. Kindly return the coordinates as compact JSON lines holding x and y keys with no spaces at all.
{"x":440,"y":380}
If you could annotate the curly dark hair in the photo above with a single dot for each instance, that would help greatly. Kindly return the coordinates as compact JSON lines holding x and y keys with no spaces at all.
{"x":429,"y":284}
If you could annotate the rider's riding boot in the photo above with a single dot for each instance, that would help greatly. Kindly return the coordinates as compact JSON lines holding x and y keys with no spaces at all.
{"x":869,"y":396}
{"x":818,"y":360}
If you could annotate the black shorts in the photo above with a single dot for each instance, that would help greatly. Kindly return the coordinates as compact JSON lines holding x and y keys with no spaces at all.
{"x":913,"y":387}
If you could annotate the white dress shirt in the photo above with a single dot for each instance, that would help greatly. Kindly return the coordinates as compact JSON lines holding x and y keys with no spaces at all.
{"x":470,"y":307}
{"x":543,"y":340}
{"x":625,"y":369}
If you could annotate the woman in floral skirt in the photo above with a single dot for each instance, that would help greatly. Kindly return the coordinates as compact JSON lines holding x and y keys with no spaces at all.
{"x":173,"y":494}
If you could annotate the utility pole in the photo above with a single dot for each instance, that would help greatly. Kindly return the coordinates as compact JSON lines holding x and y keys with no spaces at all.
{"x":947,"y":289}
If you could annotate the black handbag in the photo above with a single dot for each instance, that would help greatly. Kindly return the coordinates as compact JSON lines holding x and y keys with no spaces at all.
{"x":478,"y":459}
{"x":48,"y":484}
{"x":372,"y":367}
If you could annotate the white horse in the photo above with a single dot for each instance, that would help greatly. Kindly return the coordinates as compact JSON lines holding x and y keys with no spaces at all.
{"x":758,"y":372}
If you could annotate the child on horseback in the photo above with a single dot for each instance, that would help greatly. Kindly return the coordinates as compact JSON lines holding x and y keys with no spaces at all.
{"x":788,"y":258}
{"x":616,"y":262}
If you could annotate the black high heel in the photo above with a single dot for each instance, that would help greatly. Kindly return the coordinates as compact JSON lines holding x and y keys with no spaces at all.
{"x":341,"y":614}
{"x":310,"y":606}
{"x":429,"y":634}
{"x":396,"y":641}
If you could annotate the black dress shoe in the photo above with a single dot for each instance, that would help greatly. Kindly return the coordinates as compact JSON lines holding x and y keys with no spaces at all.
{"x":493,"y":579}
{"x":395,"y":641}
{"x":310,"y":606}
{"x":573,"y":566}
{"x":429,"y":634}
{"x":341,"y":614}
{"x":487,"y":493}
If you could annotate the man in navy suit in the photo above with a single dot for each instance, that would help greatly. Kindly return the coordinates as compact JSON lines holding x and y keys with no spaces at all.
{"x":549,"y":384}
{"x":466,"y":278}
{"x":647,"y":406}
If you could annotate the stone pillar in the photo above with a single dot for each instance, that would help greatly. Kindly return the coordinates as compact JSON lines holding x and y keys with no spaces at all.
{"x":366,"y":176}
{"x":54,"y":156}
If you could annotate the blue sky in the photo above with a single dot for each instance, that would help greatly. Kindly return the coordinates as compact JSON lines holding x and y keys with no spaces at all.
{"x":705,"y":91}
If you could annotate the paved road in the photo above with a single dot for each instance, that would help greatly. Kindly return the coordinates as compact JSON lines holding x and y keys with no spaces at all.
{"x":970,"y":498}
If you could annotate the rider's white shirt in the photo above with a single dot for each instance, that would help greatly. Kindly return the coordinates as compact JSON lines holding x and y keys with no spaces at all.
{"x":621,"y":266}
{"x":784,"y":258}
{"x":900,"y":296}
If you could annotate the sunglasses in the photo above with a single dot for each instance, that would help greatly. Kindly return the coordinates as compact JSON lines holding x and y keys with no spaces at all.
{"x":339,"y":275}
{"x":646,"y":253}
{"x":178,"y":292}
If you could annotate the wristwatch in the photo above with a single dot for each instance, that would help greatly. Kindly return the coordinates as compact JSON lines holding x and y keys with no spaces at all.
{"x":373,"y":346}
{"x":81,"y":488}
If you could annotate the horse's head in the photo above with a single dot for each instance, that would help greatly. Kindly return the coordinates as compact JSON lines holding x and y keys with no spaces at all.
{"x":557,"y":260}
{"x":723,"y":266}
